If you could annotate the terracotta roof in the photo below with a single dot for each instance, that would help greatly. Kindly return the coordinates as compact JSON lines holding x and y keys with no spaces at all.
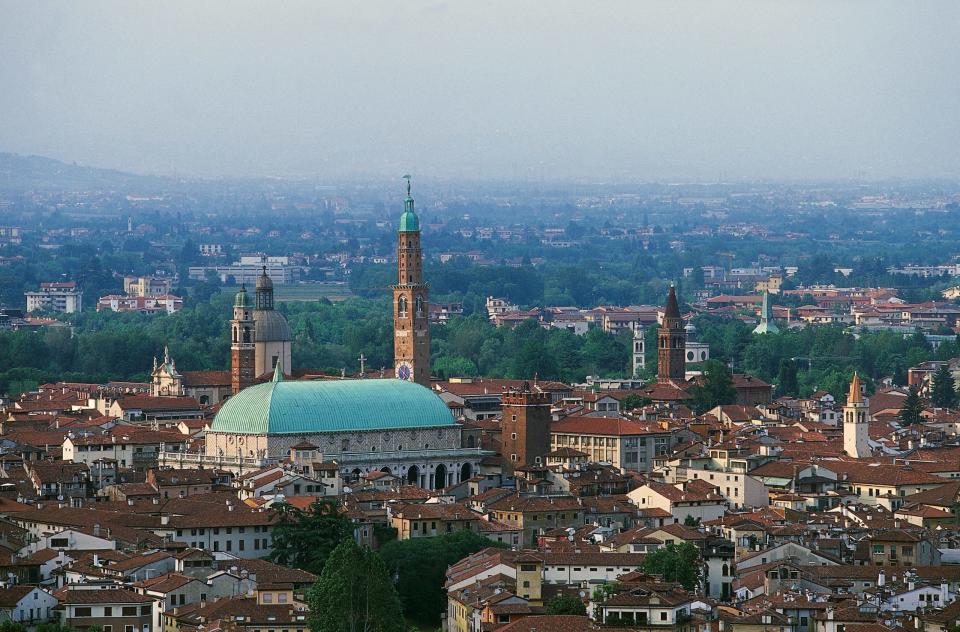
{"x":106,"y":596}
{"x":10,"y":597}
{"x":616,"y":426}
{"x":551,"y":623}
{"x":522,"y":504}
{"x":206,"y":378}
{"x":148,"y":402}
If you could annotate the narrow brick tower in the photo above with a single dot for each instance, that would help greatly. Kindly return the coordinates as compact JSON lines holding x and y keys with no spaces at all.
{"x":242,"y":350}
{"x":411,"y":323}
{"x":525,"y":427}
{"x":671,"y":343}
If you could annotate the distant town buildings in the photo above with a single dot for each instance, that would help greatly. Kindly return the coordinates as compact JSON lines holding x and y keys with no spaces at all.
{"x":249,"y":268}
{"x":165,"y":303}
{"x":62,"y":297}
{"x":147,"y":286}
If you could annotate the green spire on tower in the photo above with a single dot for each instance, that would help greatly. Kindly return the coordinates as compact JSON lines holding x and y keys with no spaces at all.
{"x":409,"y":222}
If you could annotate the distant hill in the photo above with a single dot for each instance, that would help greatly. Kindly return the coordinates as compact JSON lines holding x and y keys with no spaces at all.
{"x":36,"y":172}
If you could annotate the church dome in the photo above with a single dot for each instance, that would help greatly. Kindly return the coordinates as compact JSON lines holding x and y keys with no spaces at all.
{"x":242,"y":299}
{"x":270,"y":326}
{"x":263,"y":281}
{"x":409,"y":222}
{"x":316,"y":406}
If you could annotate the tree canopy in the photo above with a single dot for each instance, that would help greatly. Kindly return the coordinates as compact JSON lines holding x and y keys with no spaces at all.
{"x":354,"y":594}
{"x":566,"y":604}
{"x":912,"y":411}
{"x":419,"y":566}
{"x":305,"y":538}
{"x":714,"y":388}
{"x":944,"y":392}
{"x":676,"y":563}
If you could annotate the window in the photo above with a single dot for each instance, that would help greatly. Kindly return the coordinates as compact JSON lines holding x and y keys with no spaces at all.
{"x":128,"y":628}
{"x":108,"y":611}
{"x":146,"y":609}
{"x":108,"y":628}
{"x":59,"y":543}
{"x":267,"y":597}
{"x":82,"y":611}
{"x":128,"y":611}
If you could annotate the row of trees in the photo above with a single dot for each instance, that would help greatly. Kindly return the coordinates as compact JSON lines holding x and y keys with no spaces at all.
{"x":331,"y":337}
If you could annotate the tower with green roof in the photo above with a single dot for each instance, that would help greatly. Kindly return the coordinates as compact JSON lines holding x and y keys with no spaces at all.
{"x":242,"y":349}
{"x":411,"y":325}
{"x":766,"y":325}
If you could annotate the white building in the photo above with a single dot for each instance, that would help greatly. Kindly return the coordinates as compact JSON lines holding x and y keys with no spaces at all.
{"x":64,"y":298}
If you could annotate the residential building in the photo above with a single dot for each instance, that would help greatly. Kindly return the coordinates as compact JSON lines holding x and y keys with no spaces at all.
{"x":25,"y":604}
{"x":61,"y":297}
{"x":110,"y":609}
{"x":623,"y":443}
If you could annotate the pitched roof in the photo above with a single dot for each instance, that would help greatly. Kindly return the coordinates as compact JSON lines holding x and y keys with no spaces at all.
{"x":107,"y":595}
{"x":616,"y":426}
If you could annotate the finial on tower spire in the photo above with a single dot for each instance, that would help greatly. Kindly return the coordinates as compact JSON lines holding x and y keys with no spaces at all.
{"x":407,"y":178}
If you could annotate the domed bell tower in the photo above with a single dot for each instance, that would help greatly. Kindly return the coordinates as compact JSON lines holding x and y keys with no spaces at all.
{"x":242,"y":350}
{"x":411,"y":323}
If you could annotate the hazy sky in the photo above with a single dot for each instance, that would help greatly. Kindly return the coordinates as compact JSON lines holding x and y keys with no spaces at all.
{"x":487,"y":89}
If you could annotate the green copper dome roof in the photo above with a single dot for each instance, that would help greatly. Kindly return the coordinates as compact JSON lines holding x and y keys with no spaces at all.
{"x":409,"y":222}
{"x":307,"y":407}
{"x":242,"y":299}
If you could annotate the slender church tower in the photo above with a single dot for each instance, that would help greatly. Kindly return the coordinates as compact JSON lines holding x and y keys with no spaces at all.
{"x":766,"y":325}
{"x":856,"y":422}
{"x":411,"y":325}
{"x":242,"y":351}
{"x":671,"y":343}
{"x":639,"y":359}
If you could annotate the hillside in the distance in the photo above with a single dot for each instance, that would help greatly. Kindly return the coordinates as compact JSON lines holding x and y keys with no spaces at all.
{"x":18,"y":172}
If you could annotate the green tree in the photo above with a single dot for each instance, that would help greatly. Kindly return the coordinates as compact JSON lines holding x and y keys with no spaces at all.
{"x":676,"y":563}
{"x":944,"y":393}
{"x":354,"y":594}
{"x":419,"y":567}
{"x":912,"y":411}
{"x":787,"y":383}
{"x":566,"y":604}
{"x":11,"y":626}
{"x":714,"y":388}
{"x":305,"y":538}
{"x":632,"y":401}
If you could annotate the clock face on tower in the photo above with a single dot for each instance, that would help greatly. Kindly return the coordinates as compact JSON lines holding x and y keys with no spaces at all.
{"x":405,"y":371}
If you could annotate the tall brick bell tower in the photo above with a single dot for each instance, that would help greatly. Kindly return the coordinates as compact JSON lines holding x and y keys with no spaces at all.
{"x":242,"y":351}
{"x":671,"y":344}
{"x":524,"y":428}
{"x":411,"y":324}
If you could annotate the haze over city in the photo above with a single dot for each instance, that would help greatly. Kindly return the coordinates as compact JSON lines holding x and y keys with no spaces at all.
{"x":526,"y":316}
{"x":610,"y":91}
